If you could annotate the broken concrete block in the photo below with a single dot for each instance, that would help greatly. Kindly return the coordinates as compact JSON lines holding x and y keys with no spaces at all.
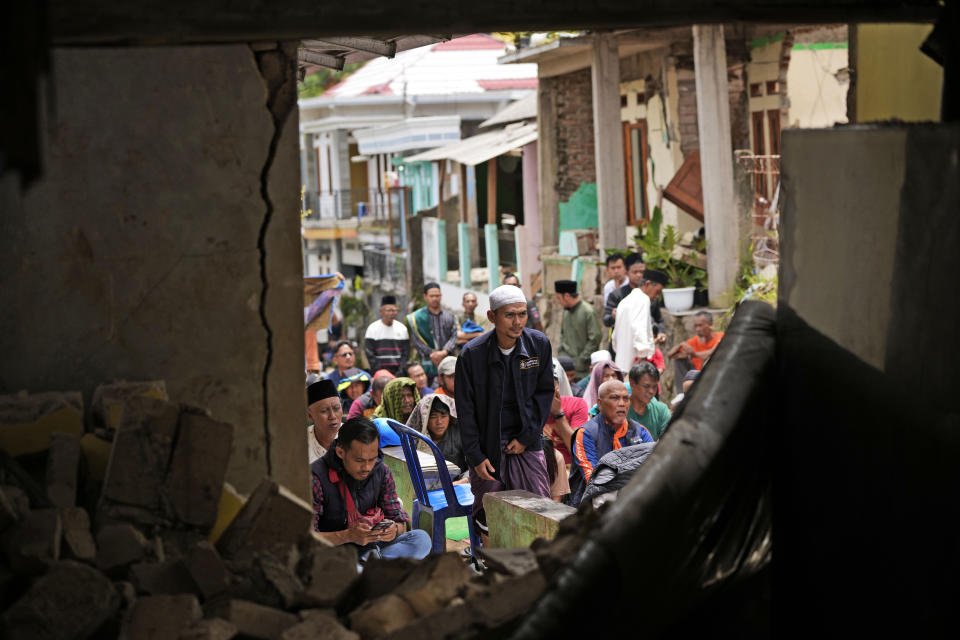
{"x":63,"y":467}
{"x":279,"y":569}
{"x":434,"y":583}
{"x":27,"y":421}
{"x":517,"y":518}
{"x":109,"y":400}
{"x":205,"y":566}
{"x":328,"y":573}
{"x":96,"y":453}
{"x":78,"y":542}
{"x":33,"y":542}
{"x":321,"y":624}
{"x":227,"y":509}
{"x":138,"y":460}
{"x":198,"y":468}
{"x":255,"y":620}
{"x":379,"y":578}
{"x":178,"y":543}
{"x":13,"y":506}
{"x":162,"y":578}
{"x":71,"y":600}
{"x":510,"y":562}
{"x":160,"y":617}
{"x":272,"y":515}
{"x":119,"y":546}
{"x":14,"y":474}
{"x":379,"y":617}
{"x":127,"y":593}
{"x":212,"y":629}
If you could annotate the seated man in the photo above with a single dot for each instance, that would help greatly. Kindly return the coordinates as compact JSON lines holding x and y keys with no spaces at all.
{"x":446,"y":376}
{"x":367,"y":403}
{"x":325,"y":414}
{"x":691,"y":355}
{"x":355,"y":498}
{"x":570,"y":373}
{"x":644,"y":406}
{"x":567,"y":414}
{"x":414,"y":371}
{"x":608,"y":431}
{"x":352,"y":385}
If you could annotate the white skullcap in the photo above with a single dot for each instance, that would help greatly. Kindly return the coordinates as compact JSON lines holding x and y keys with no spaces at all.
{"x":599,"y":356}
{"x":506,"y":294}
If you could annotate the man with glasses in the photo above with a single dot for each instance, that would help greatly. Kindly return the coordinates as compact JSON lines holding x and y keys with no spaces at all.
{"x":387,"y":342}
{"x":644,"y":406}
{"x":325,"y":413}
{"x":344,"y":358}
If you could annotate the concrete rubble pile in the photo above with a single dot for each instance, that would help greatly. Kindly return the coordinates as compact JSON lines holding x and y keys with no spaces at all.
{"x":132,"y":555}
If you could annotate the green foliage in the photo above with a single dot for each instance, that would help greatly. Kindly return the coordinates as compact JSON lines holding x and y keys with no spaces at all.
{"x":355,"y":311}
{"x":663,"y":252}
{"x":322,"y":79}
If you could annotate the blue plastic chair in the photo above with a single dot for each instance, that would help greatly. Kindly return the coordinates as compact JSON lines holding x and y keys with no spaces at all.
{"x":452,"y":501}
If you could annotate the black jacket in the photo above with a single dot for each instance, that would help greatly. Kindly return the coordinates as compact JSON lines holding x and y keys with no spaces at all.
{"x":366,"y":493}
{"x":478,"y":406}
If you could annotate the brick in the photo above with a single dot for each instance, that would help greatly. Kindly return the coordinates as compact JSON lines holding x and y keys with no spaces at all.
{"x":63,"y":466}
{"x":119,"y":546}
{"x":198,"y":469}
{"x":320,"y":624}
{"x":279,"y":569}
{"x":28,"y":421}
{"x":211,"y":629}
{"x":272,"y":515}
{"x":379,"y":617}
{"x":110,"y":400}
{"x":207,"y":570}
{"x":77,"y":542}
{"x":33,"y":542}
{"x":331,"y":571}
{"x":71,"y":600}
{"x":434,"y":583}
{"x":160,"y":617}
{"x":255,"y":620}
{"x":162,"y":578}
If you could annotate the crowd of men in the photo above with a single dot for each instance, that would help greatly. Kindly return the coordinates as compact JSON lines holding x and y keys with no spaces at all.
{"x":509,"y":409}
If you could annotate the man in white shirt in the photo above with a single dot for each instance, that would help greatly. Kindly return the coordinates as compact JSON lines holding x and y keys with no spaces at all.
{"x":617,"y":272}
{"x":633,"y":329}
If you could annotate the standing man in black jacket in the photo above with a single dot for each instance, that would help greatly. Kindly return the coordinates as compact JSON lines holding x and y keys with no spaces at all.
{"x":504,"y":390}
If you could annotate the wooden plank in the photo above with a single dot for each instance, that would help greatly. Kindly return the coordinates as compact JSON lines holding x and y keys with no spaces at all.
{"x":152,"y":22}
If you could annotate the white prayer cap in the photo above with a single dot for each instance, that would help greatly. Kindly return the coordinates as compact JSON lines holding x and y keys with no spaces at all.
{"x":506,"y":294}
{"x":599,"y":356}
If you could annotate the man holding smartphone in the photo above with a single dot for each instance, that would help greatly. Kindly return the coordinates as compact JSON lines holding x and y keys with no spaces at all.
{"x":355,"y":498}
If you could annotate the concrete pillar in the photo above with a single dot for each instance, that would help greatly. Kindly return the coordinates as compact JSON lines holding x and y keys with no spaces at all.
{"x":463,"y":246}
{"x":340,"y":172}
{"x":528,"y":234}
{"x":547,"y":167}
{"x":716,"y":162}
{"x":492,"y":241}
{"x":608,"y":142}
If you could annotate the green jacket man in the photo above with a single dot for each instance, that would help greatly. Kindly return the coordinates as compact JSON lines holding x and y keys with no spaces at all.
{"x":581,"y":331}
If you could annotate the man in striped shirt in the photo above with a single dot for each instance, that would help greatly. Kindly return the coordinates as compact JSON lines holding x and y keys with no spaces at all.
{"x":387,"y":342}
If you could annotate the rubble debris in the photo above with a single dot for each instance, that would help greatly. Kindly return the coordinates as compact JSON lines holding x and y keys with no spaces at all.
{"x":434,"y":582}
{"x":14,"y":474}
{"x":319,"y":624}
{"x":72,"y":600}
{"x":160,"y":617}
{"x":27,"y":421}
{"x":33,"y":542}
{"x":207,"y":570}
{"x":210,"y":629}
{"x":510,"y":562}
{"x":379,"y":617}
{"x":230,"y":504}
{"x":328,"y":573}
{"x":169,"y":577}
{"x":255,"y":620}
{"x":110,"y":400}
{"x":166,"y":466}
{"x":272,"y":515}
{"x":119,"y":546}
{"x":14,"y":506}
{"x":279,"y":569}
{"x":77,"y":542}
{"x":96,"y":454}
{"x":63,"y":466}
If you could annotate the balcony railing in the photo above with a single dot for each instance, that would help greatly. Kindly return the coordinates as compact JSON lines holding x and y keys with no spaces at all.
{"x":344,"y":204}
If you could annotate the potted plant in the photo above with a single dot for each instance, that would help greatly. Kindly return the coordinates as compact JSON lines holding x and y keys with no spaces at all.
{"x":664,"y":252}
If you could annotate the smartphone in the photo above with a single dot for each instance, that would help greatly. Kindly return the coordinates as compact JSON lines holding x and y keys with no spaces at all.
{"x":383,"y":524}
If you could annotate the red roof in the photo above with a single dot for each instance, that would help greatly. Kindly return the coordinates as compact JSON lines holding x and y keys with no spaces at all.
{"x":512,"y":83}
{"x":381,"y":89}
{"x":470,"y":43}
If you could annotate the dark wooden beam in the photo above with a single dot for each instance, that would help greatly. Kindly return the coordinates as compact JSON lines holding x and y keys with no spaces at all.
{"x":148,"y":22}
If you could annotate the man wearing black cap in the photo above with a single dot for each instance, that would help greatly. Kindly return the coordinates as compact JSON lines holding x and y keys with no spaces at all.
{"x":580,"y":331}
{"x":387,"y":342}
{"x":434,"y":330}
{"x":633,"y":331}
{"x":325,"y":414}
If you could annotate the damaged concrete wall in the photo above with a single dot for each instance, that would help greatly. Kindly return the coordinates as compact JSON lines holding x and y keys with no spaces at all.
{"x":163,"y":242}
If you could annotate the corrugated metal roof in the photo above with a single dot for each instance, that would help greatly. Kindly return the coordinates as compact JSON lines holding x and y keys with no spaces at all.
{"x":523,"y":109}
{"x":482,"y":147}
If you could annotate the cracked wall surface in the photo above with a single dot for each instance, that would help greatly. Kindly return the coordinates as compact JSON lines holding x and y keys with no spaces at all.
{"x":164,"y":242}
